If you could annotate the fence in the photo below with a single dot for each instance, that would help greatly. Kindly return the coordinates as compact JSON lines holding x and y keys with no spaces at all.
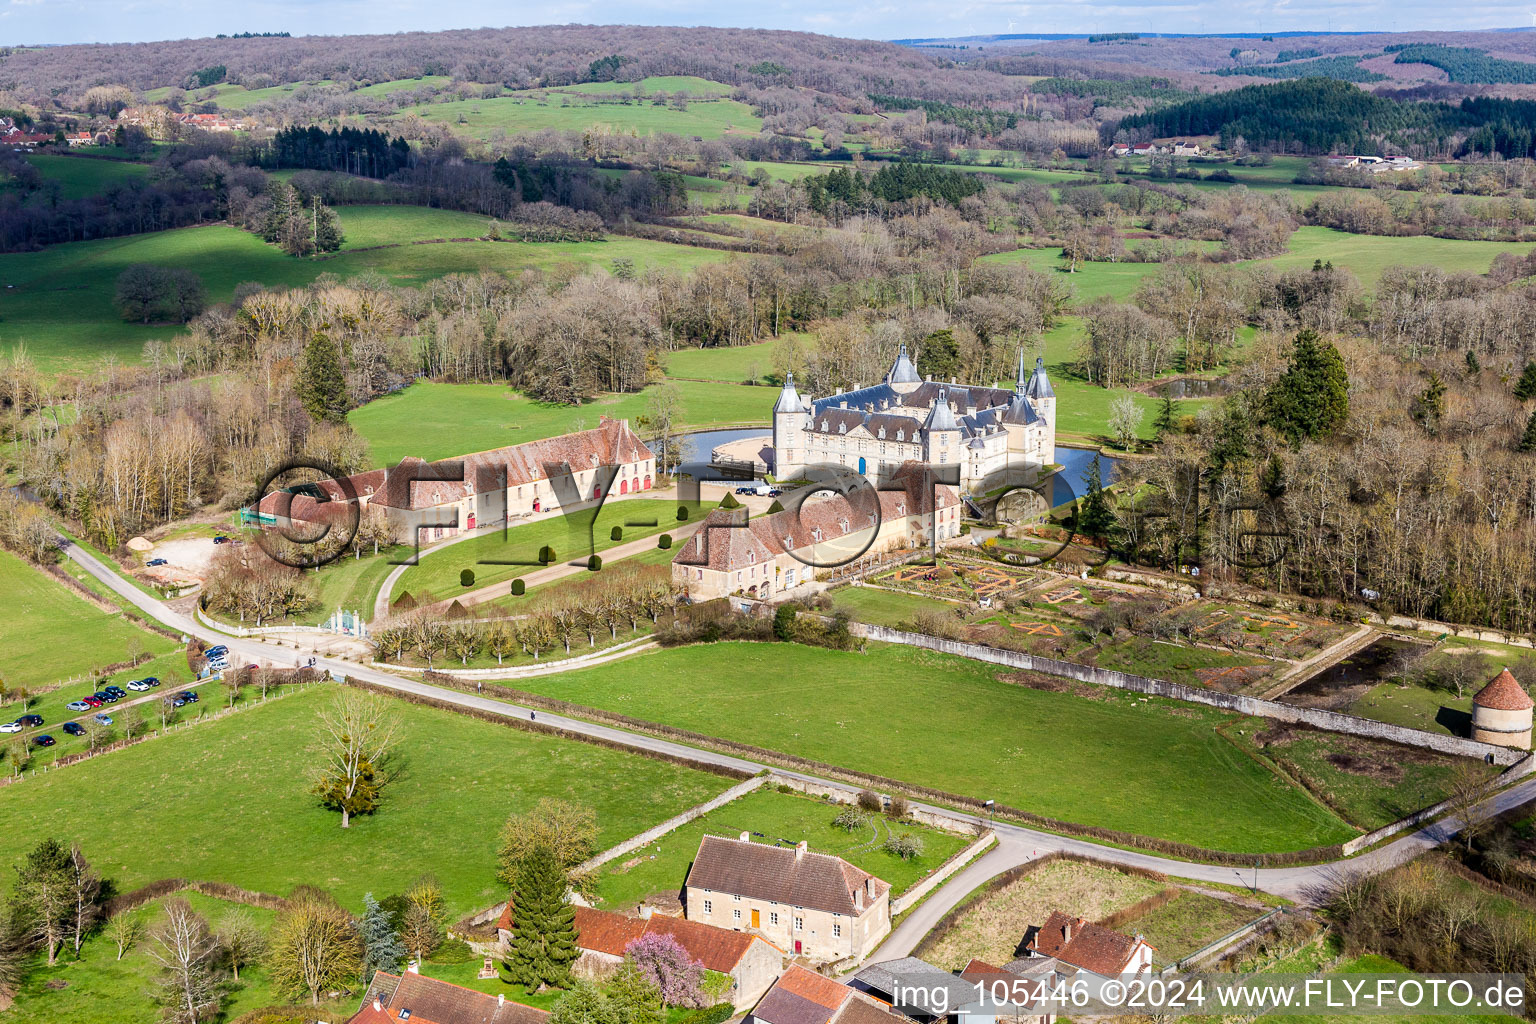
{"x":1330,"y":721}
{"x":225,"y":627}
{"x":537,"y":668}
{"x":915,"y":895}
{"x":1210,"y":949}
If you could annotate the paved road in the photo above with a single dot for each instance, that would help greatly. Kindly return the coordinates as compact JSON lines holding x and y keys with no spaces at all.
{"x":1016,"y":843}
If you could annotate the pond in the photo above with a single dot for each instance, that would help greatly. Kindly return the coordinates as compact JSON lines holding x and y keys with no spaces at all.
{"x":698,"y":446}
{"x":1193,"y":387}
{"x":1072,"y":482}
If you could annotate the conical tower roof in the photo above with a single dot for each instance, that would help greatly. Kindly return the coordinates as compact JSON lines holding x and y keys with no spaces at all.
{"x":902,"y":371}
{"x":1039,"y":385}
{"x":941,"y":416}
{"x":789,"y":398}
{"x":1503,"y":694}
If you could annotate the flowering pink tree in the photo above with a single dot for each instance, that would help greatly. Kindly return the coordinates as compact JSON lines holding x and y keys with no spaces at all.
{"x":664,"y":962}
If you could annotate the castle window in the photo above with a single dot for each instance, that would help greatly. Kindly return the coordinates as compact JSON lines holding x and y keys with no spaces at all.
{"x":882,"y":433}
{"x":900,"y":435}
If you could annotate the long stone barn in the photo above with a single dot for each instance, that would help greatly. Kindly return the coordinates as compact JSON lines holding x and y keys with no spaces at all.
{"x":482,"y":489}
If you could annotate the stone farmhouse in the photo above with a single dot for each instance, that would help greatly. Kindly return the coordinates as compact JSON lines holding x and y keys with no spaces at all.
{"x":771,"y":556}
{"x":996,"y":436}
{"x":484,"y":489}
{"x":805,"y":997}
{"x":392,"y":998}
{"x":751,"y":961}
{"x":1079,"y":943}
{"x":810,"y":904}
{"x":1501,"y":713}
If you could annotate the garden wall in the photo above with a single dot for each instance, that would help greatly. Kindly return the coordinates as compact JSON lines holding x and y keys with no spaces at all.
{"x":1331,"y":721}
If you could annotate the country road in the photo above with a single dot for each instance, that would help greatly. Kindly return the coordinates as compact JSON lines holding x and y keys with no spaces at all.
{"x":1017,"y":844}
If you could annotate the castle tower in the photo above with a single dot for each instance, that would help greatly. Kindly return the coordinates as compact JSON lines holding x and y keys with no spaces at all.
{"x":941,"y":432}
{"x":1501,"y":713}
{"x":791,"y":418}
{"x":902,"y":376}
{"x":1038,"y":390}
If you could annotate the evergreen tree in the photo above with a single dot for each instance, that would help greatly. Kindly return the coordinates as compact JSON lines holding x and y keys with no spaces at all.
{"x":1094,"y":517}
{"x":543,"y":924}
{"x":939,"y":356}
{"x":382,"y":949}
{"x":1525,"y":387}
{"x":1473,"y":366}
{"x":1429,"y":404}
{"x":1311,"y":399}
{"x":1528,"y":439}
{"x":1163,"y":424}
{"x":322,"y":384}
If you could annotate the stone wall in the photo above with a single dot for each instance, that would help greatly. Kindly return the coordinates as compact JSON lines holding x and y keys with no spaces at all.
{"x":1514,"y":773}
{"x":1331,"y":721}
{"x":654,"y":833}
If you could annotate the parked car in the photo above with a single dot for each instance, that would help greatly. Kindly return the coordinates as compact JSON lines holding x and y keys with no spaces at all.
{"x":138,"y":685}
{"x":153,"y":562}
{"x":774,"y":493}
{"x":15,"y":726}
{"x":93,"y":700}
{"x":215,"y":651}
{"x":44,"y":740}
{"x":104,"y":719}
{"x":105,"y":697}
{"x":116,"y":691}
{"x":74,"y":729}
{"x":28,"y":721}
{"x":221,"y":539}
{"x":191,"y":696}
{"x":177,"y":700}
{"x":78,"y":705}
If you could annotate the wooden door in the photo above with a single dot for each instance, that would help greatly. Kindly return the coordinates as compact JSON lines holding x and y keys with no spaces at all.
{"x":756,"y":920}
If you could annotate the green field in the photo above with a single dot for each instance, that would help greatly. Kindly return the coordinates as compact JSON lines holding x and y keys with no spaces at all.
{"x":80,"y":176}
{"x":782,"y":819}
{"x":50,"y":633}
{"x":733,"y":364}
{"x":62,"y":309}
{"x":439,"y":421}
{"x":569,"y":535}
{"x":483,"y":118}
{"x":228,"y":801}
{"x":1152,"y":767}
{"x":652,"y":84}
{"x":391,"y":225}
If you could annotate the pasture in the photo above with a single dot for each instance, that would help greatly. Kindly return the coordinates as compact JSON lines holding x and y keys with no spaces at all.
{"x":955,"y":725}
{"x":50,"y":633}
{"x":229,"y":801}
{"x":439,"y":421}
{"x":80,"y":176}
{"x":59,"y":301}
{"x":510,"y":115}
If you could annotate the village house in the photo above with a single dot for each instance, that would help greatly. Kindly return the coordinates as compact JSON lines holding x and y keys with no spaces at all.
{"x":980,"y":994}
{"x":454,"y":496}
{"x":1086,"y":946}
{"x":392,"y":998}
{"x":1182,"y":148}
{"x":750,"y":961}
{"x":811,"y":904}
{"x":995,"y":436}
{"x":770,"y":557}
{"x":1146,"y":149}
{"x":805,"y":997}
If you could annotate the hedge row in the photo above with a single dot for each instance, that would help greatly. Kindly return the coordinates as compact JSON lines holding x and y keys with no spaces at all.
{"x":1164,"y":847}
{"x":219,"y":890}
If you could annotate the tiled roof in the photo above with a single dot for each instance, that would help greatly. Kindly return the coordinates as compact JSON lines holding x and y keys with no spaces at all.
{"x":1503,"y":694}
{"x":304,"y":508}
{"x":718,"y":949}
{"x":1091,"y":947}
{"x":816,"y":881}
{"x":430,"y":1001}
{"x":824,"y":992}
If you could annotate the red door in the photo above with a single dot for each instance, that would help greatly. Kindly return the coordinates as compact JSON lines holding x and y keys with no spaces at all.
{"x":597,"y":492}
{"x":471,"y":520}
{"x":797,"y":945}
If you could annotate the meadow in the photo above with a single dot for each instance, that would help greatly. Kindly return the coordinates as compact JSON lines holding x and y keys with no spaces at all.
{"x":783,"y":819}
{"x":80,"y":176}
{"x":439,"y":421}
{"x":954,"y":725}
{"x":228,"y":801}
{"x":59,"y":301}
{"x":508,"y":115}
{"x":50,"y":633}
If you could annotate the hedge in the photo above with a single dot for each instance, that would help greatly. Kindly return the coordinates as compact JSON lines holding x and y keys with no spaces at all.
{"x":664,"y":541}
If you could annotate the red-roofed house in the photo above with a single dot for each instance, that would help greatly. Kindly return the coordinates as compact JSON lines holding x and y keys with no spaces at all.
{"x":768,"y":556}
{"x":805,"y":997}
{"x":1089,"y":947}
{"x":812,"y":904}
{"x":393,"y":998}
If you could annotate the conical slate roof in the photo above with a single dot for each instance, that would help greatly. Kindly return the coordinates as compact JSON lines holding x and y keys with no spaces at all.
{"x":1503,"y":694}
{"x":1021,"y":382}
{"x":1039,"y":385}
{"x":789,"y":398}
{"x":902,"y":370}
{"x":941,"y":416}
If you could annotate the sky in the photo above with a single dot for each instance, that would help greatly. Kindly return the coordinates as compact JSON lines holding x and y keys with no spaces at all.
{"x":74,"y":21}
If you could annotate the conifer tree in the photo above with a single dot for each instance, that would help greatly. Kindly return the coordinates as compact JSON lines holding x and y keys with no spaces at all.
{"x":1094,"y":517}
{"x":1525,"y":387}
{"x":1311,"y":399}
{"x":1473,"y":366}
{"x":1528,"y":440}
{"x":382,"y":949}
{"x":543,"y":924}
{"x":1164,"y":421}
{"x":322,"y":384}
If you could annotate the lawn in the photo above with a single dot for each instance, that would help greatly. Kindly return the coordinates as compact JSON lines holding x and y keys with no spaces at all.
{"x":991,"y":922}
{"x":441,"y":421}
{"x":228,"y":801}
{"x":733,"y":364}
{"x":80,"y":176}
{"x":1187,"y":923}
{"x":62,"y":309}
{"x":888,"y":607}
{"x":483,"y":118}
{"x":573,"y":537}
{"x":50,"y":633}
{"x":1114,"y":759}
{"x":782,"y":819}
{"x":387,"y":225}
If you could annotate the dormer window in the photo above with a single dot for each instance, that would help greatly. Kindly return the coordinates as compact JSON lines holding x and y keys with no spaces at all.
{"x":842,"y":428}
{"x":816,"y":534}
{"x":882,"y":433}
{"x":901,"y":435}
{"x":823,"y":425}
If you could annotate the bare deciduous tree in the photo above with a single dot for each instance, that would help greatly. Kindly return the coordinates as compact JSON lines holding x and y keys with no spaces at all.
{"x":357,"y":735}
{"x":186,"y":952}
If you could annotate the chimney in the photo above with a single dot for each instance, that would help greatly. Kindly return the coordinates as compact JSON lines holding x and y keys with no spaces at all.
{"x":501,"y":1000}
{"x":869,"y":887}
{"x":746,"y":837}
{"x":800,"y":849}
{"x":377,"y":1006}
{"x":1067,"y":930}
{"x":646,"y":911}
{"x":414,"y":967}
